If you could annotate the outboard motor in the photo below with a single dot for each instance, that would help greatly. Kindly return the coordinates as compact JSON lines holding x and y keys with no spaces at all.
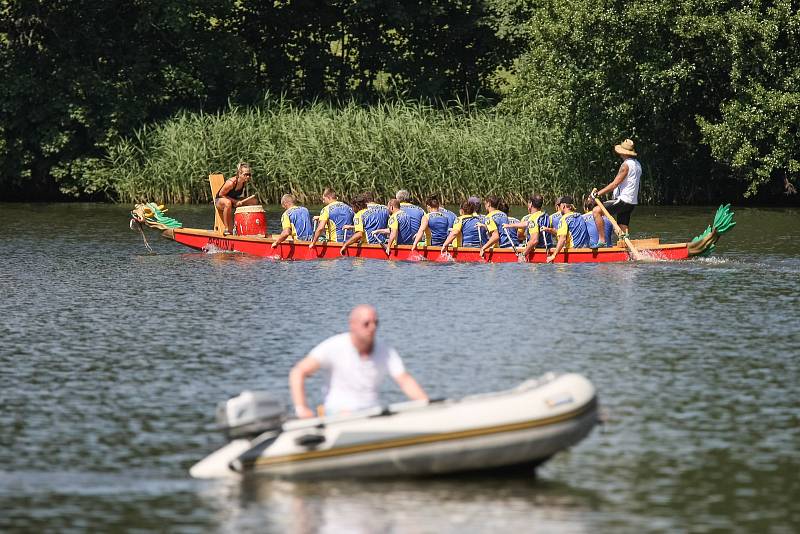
{"x":249,"y":414}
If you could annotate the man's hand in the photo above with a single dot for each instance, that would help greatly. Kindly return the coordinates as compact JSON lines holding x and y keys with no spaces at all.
{"x":550,"y":258}
{"x":274,"y":245}
{"x":304,"y":412}
{"x":343,"y":251}
{"x":312,"y":244}
{"x":482,"y":252}
{"x":593,"y":194}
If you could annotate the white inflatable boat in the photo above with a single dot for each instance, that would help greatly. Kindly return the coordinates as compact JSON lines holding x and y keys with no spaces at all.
{"x":520,"y":427}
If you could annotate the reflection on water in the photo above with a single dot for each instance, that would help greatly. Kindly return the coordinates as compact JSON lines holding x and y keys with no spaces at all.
{"x":113,"y":360}
{"x":412,"y":506}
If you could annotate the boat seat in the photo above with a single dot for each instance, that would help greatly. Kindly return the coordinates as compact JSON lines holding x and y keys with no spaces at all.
{"x":216,"y":181}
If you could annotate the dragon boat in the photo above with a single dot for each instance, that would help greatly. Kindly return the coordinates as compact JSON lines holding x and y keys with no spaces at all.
{"x":153,"y":216}
{"x":515,"y":429}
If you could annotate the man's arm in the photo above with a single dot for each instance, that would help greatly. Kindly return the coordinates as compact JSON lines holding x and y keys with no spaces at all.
{"x":410,"y":387}
{"x":418,"y":237}
{"x":532,"y":242}
{"x":392,"y":241}
{"x":562,"y":240}
{"x":495,"y":237}
{"x":321,"y":224}
{"x":453,"y":235}
{"x":282,"y":237}
{"x":623,"y":172}
{"x":297,"y":385}
{"x":354,"y":238}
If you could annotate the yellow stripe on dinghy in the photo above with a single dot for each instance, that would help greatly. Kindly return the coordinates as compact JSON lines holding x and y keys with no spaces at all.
{"x":432,"y":438}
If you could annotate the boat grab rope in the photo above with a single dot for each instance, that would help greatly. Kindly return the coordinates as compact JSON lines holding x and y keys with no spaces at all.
{"x":705,"y":243}
{"x":138,"y":226}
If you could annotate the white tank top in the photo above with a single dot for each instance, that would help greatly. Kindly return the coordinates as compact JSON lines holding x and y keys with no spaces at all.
{"x":628,"y":190}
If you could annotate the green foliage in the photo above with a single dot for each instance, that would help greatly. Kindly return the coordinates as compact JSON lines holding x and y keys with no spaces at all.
{"x":82,"y":74}
{"x":79,"y":74}
{"x":757,"y":132}
{"x":455,"y":152}
{"x":664,"y":73}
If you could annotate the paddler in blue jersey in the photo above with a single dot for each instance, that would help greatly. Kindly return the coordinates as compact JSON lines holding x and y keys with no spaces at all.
{"x":401,"y":230}
{"x":414,"y":212}
{"x":588,"y":217}
{"x":366,"y":223}
{"x":495,"y":219}
{"x":436,"y":224}
{"x":532,"y":225}
{"x":295,"y":221}
{"x":451,"y":217}
{"x":571,"y":232}
{"x":332,"y":218}
{"x":467,"y":230}
{"x":381,"y":212}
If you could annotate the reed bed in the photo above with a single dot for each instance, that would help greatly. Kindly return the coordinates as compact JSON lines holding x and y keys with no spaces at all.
{"x":454,"y":152}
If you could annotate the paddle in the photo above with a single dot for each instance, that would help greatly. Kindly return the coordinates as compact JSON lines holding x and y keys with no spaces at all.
{"x":635,"y":254}
{"x":513,"y":246}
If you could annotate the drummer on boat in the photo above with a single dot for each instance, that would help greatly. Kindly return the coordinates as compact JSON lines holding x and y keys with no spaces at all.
{"x":229,"y":196}
{"x":356,"y":365}
{"x":295,"y":222}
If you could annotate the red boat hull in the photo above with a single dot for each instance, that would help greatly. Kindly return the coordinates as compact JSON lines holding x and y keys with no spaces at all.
{"x":299,"y":250}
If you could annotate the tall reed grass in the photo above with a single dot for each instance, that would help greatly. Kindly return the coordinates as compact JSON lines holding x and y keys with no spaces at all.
{"x":454,"y":152}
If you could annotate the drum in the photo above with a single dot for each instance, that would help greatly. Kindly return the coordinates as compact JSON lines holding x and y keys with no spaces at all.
{"x":250,"y":220}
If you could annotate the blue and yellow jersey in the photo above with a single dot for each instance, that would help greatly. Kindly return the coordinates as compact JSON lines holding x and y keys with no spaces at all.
{"x":451,"y":217}
{"x":298,"y":220}
{"x":381,"y":214}
{"x":415,"y":214}
{"x":470,"y":234}
{"x":573,"y":227}
{"x":438,"y":228}
{"x":401,"y":222}
{"x":553,"y":221}
{"x":591,"y":228}
{"x":367,"y":221}
{"x":336,"y":215}
{"x":495,"y":221}
{"x":536,"y":221}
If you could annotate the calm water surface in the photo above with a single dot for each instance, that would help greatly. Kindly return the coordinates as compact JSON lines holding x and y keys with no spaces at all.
{"x":113,"y":360}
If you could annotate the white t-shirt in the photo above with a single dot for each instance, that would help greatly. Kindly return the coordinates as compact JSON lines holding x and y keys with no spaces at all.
{"x":628,"y":190}
{"x":353,"y":381}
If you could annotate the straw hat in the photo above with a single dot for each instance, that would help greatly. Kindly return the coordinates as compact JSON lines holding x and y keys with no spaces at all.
{"x":625,"y":148}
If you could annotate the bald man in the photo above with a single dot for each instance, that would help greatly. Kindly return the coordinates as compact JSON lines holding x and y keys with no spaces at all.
{"x":356,"y":364}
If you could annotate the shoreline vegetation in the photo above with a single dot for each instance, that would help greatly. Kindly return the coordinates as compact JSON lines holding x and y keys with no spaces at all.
{"x":453,"y":152}
{"x":125,"y":101}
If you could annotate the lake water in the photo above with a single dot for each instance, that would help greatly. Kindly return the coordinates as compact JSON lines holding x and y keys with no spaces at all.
{"x":113,"y":360}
